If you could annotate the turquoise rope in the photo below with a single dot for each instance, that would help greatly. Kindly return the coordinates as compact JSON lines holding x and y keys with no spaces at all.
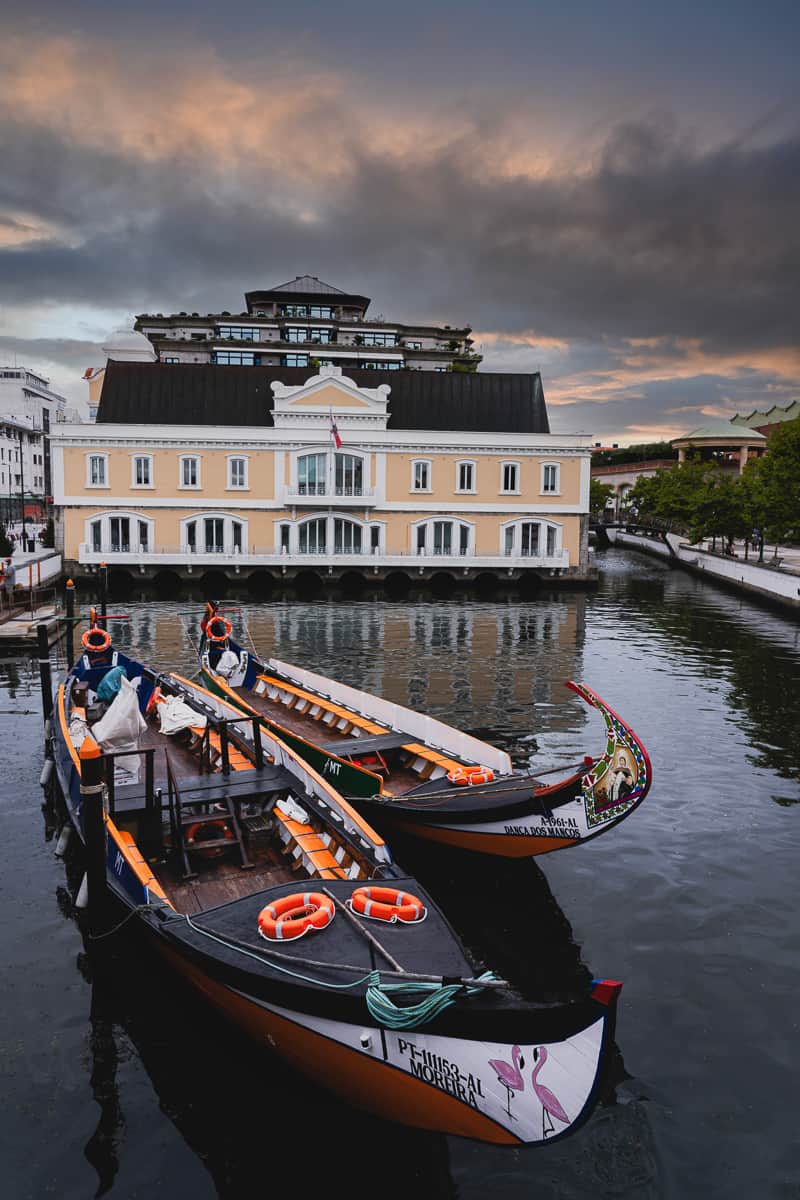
{"x":378,"y":996}
{"x":439,"y":996}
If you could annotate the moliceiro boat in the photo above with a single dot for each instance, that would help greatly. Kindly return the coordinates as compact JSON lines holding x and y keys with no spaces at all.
{"x":409,"y":773}
{"x":260,"y":885}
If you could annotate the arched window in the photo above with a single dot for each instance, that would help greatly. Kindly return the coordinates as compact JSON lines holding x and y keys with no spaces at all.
{"x":119,"y":533}
{"x":312,"y":470}
{"x":349,"y":475}
{"x":531,"y":539}
{"x":443,"y":537}
{"x":213,"y":533}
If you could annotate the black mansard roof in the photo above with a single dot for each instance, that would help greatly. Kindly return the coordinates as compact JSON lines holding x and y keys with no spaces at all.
{"x":204,"y":394}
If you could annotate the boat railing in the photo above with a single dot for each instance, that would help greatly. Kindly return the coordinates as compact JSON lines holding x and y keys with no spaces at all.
{"x":150,"y":837}
{"x":217,"y":738}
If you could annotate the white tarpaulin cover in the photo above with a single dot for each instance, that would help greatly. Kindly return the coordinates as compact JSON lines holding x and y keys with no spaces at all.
{"x":174,"y":714}
{"x":120,"y":728}
{"x":228,"y":663}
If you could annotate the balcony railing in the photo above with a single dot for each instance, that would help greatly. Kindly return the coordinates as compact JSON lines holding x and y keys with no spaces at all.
{"x":256,"y":556}
{"x":311,"y":493}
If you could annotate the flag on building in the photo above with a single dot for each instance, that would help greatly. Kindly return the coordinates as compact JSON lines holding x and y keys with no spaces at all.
{"x":337,"y":441}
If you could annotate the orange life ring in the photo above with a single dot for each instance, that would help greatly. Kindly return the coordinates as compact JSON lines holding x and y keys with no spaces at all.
{"x":197,"y":846}
{"x":469,"y":776}
{"x":96,"y":640}
{"x":214,"y":623}
{"x":292,"y":916}
{"x":387,"y":904}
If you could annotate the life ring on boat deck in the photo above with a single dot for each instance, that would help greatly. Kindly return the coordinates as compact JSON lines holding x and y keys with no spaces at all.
{"x":218,"y":828}
{"x":387,"y":904}
{"x":469,"y":776}
{"x":218,"y":629}
{"x":96,"y":640}
{"x":292,"y":916}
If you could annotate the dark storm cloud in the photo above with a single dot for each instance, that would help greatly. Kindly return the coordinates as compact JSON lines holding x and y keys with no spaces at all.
{"x":656,"y":239}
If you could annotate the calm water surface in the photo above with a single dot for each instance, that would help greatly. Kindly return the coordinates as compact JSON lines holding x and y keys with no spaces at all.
{"x":116,"y":1081}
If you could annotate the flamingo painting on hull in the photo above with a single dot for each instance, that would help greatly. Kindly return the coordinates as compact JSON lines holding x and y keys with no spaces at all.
{"x":551,"y":1105}
{"x":510,"y":1074}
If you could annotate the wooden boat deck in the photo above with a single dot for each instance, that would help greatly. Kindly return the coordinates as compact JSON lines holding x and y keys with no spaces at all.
{"x":224,"y":880}
{"x":397,"y":781}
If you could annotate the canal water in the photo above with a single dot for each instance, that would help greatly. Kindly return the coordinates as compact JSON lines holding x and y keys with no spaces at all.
{"x":116,"y":1081}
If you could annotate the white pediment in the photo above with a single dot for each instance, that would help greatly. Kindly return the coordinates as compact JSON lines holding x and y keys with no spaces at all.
{"x":327,"y":393}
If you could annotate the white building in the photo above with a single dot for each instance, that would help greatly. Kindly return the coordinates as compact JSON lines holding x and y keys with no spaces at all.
{"x":28,"y":410}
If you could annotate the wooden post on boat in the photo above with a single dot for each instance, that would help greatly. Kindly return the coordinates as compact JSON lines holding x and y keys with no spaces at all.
{"x":45,"y":676}
{"x":94,"y":832}
{"x":70,"y":647}
{"x":103,"y":595}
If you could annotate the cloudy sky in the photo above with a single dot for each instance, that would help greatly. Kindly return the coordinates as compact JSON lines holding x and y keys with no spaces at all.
{"x":607,"y":192}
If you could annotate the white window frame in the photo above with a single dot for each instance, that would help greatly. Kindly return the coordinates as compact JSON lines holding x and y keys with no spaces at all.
{"x":148,"y":458}
{"x":228,"y":520}
{"x":473,"y":467}
{"x":545,"y":467}
{"x":544,"y":524}
{"x":238,"y":487}
{"x":427,"y":463}
{"x":104,"y":459}
{"x":515,"y":491}
{"x":105,"y":519}
{"x":427,"y":523}
{"x":189,"y":487}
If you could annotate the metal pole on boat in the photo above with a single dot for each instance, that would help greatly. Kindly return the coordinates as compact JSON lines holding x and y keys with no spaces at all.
{"x":45,"y":675}
{"x":94,"y":832}
{"x":70,"y":603}
{"x":103,"y":595}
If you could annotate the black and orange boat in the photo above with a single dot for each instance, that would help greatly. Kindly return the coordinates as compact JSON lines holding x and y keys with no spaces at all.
{"x":260,"y":885}
{"x":409,"y":773}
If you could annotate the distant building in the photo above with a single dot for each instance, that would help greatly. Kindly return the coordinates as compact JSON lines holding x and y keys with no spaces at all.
{"x":307,"y":323}
{"x":622,"y":478}
{"x":122,"y":345}
{"x":766,"y":420}
{"x":28,"y":410}
{"x":274,"y":473}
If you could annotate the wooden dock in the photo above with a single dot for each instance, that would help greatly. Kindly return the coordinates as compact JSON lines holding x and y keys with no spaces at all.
{"x":18,"y":627}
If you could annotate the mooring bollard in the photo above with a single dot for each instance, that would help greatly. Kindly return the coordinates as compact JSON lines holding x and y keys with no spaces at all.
{"x":45,"y":675}
{"x":70,"y":601}
{"x":94,"y":831}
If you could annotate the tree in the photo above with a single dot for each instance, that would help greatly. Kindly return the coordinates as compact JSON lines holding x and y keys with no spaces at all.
{"x":599,"y":495}
{"x":775,"y":484}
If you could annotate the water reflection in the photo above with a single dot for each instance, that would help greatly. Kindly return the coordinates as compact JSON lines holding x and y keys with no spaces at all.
{"x":754,"y":651}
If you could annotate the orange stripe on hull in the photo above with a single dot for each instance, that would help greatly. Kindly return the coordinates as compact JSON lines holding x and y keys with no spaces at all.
{"x":500,"y":845}
{"x":365,"y":1083}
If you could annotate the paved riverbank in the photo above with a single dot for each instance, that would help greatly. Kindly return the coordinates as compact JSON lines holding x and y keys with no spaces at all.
{"x":775,"y":580}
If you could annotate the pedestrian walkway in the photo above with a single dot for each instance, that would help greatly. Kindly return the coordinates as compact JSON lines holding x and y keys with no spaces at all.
{"x":788,"y":557}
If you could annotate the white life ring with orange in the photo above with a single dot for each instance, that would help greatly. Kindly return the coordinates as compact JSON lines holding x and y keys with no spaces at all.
{"x":218,"y":629}
{"x":387,"y":904}
{"x":96,"y":640}
{"x":469,"y":776}
{"x":292,"y":916}
{"x":196,"y":845}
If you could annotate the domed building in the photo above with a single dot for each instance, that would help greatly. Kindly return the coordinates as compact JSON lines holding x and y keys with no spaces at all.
{"x":128,"y":345}
{"x":722,"y":442}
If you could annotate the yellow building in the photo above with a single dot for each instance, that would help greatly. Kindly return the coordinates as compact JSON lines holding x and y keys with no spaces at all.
{"x":267,"y":473}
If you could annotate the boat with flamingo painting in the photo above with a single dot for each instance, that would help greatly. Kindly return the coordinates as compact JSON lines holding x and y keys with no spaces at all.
{"x":409,"y":773}
{"x":262,"y":887}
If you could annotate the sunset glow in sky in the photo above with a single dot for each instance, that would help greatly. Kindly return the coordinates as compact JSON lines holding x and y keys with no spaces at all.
{"x":607,"y":193}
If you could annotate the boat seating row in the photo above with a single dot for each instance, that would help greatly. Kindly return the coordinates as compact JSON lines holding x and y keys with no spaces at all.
{"x":425,"y":762}
{"x":317,"y":852}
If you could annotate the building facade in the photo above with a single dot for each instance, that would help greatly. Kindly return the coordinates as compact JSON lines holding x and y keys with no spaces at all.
{"x":270,"y":474}
{"x":307,"y":323}
{"x":28,"y":411}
